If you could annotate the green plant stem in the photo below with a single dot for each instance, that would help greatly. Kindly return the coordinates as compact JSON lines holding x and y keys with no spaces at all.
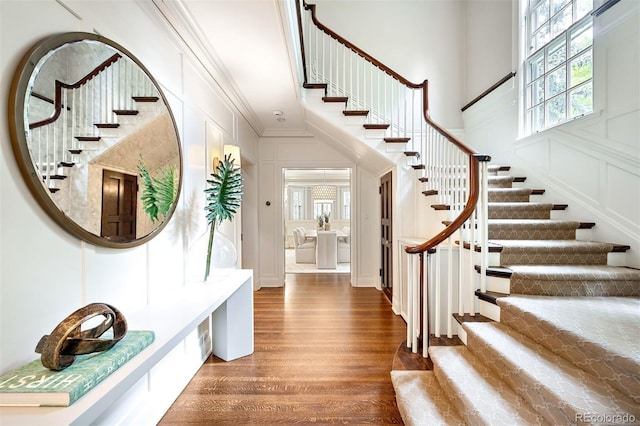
{"x":208,"y":265}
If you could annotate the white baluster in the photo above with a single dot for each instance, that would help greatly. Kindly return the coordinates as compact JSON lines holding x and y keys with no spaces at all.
{"x":485,"y":225}
{"x":74,"y":109}
{"x":426,"y":309}
{"x":410,"y":284}
{"x":436,"y":301}
{"x":450,"y":288}
{"x":65,"y":106}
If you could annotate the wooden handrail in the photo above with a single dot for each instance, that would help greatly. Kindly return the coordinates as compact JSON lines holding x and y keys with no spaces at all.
{"x":424,"y":85}
{"x":365,"y":55}
{"x":474,"y":157}
{"x":602,"y":9}
{"x":60,"y":85}
{"x":466,"y":213}
{"x":304,"y":57}
{"x":489,"y":90}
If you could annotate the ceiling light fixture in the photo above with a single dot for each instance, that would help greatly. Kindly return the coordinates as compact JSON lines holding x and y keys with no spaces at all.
{"x":324,"y":193}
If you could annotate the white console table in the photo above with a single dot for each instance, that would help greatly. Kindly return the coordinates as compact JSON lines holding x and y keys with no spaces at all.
{"x":142,"y":390}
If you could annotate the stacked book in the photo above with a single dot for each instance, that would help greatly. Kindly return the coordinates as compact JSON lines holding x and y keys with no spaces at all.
{"x":35,"y":385}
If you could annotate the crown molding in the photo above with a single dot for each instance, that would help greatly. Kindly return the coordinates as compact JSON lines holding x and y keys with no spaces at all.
{"x":179,"y":20}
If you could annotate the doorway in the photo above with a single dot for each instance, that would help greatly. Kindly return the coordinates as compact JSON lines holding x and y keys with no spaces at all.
{"x":119,"y":206}
{"x":386,"y":235}
{"x":316,"y":205}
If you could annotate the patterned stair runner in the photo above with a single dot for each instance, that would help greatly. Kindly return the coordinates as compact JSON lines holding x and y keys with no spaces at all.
{"x":480,"y":397}
{"x":520,"y":210}
{"x":552,"y":252}
{"x":421,"y":401}
{"x":598,"y":334}
{"x":575,"y":280}
{"x":567,"y":347}
{"x":553,"y":386}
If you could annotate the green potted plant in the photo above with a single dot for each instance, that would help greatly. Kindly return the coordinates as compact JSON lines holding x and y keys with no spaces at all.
{"x":224,"y":196}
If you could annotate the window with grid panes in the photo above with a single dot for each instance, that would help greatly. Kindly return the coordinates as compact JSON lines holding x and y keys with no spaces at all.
{"x":297,"y":197}
{"x":322,"y":208}
{"x":346,"y":203}
{"x":559,"y":64}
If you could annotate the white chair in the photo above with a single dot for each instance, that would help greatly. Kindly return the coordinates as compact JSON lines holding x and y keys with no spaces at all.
{"x":344,"y":246}
{"x":305,"y":248}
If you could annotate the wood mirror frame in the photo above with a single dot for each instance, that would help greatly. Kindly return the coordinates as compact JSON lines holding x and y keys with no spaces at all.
{"x":63,"y":66}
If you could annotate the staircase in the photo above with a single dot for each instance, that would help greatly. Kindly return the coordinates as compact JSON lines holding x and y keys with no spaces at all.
{"x":556,"y":339}
{"x":558,"y":342}
{"x":86,"y":118}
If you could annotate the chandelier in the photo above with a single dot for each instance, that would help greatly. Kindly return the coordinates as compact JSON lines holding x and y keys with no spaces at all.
{"x":324,"y":193}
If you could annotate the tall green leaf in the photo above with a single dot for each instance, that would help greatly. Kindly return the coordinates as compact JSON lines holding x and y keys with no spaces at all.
{"x":158,"y":193}
{"x":224,"y":196}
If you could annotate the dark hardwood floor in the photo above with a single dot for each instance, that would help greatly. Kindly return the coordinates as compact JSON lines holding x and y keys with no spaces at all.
{"x":323,"y":354}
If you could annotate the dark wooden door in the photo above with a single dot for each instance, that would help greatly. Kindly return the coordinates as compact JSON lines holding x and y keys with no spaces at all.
{"x":386,"y":269}
{"x":119,"y":195}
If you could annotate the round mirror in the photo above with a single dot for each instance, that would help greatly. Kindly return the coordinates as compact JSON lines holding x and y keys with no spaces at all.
{"x":95,"y":139}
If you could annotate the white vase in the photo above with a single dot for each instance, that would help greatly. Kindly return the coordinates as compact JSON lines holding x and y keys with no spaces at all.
{"x":223,"y":257}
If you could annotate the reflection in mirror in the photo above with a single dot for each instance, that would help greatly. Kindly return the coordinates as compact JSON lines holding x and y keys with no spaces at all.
{"x":87,"y":115}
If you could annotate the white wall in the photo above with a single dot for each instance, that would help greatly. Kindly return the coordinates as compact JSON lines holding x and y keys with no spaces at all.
{"x":488,"y":44}
{"x":417,"y":39}
{"x":277,"y":154}
{"x":591,"y":163}
{"x":45,"y":273}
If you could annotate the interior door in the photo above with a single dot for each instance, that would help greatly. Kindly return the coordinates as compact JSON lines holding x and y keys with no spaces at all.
{"x":119,"y":195}
{"x":386,"y":269}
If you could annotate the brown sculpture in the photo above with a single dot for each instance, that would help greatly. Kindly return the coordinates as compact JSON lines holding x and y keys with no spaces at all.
{"x":59,"y":349}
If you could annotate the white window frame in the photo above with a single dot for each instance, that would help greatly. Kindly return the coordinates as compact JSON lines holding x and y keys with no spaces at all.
{"x":304,"y":191}
{"x":323,"y":207}
{"x":345,"y":208}
{"x":538,"y":99}
{"x":308,"y":211}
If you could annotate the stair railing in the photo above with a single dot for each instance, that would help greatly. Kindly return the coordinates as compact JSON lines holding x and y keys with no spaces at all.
{"x":451,"y":171}
{"x":80,"y":109}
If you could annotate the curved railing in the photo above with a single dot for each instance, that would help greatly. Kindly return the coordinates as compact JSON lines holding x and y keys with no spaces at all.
{"x":451,"y":171}
{"x":80,"y":109}
{"x":59,"y":86}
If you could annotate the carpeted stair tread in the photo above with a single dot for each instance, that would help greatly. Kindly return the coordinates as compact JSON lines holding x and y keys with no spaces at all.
{"x":553,"y":386}
{"x":597,"y":334}
{"x":499,"y":195}
{"x":421,"y":401}
{"x":552,"y":252}
{"x":532,"y":229}
{"x":574,"y":280}
{"x":520,"y":210}
{"x":494,"y":169}
{"x":481,"y":398}
{"x":555,"y":245}
{"x":500,"y":181}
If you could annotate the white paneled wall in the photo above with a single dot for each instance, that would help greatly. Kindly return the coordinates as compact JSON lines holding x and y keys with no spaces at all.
{"x":591,"y":163}
{"x":45,"y":274}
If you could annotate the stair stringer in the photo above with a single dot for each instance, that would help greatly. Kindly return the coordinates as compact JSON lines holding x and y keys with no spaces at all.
{"x":350,"y":140}
{"x":329,"y":116}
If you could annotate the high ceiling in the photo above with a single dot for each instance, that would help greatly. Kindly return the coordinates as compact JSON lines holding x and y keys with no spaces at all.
{"x":246,"y":43}
{"x":247,"y":47}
